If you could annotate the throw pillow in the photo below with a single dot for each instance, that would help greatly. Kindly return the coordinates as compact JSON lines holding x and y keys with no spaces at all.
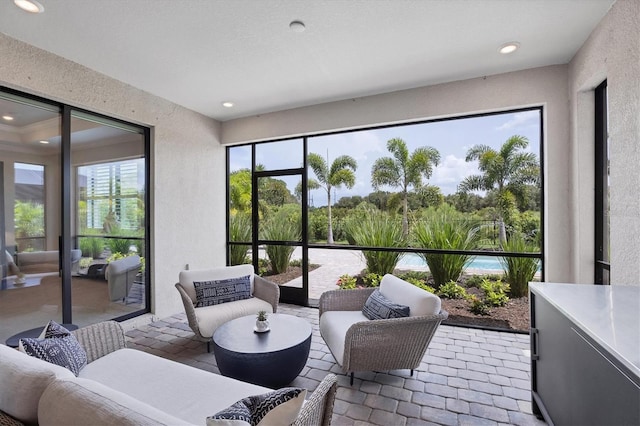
{"x":221,"y":291}
{"x":58,"y":347}
{"x":280,"y":407}
{"x":379,"y":307}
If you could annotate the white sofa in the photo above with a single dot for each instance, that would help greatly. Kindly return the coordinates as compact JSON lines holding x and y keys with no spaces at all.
{"x":206,"y":319}
{"x":121,"y":386}
{"x":35,"y":262}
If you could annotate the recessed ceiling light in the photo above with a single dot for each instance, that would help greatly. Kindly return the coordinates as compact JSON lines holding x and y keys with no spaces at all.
{"x":44,"y":142}
{"x":227,"y":104}
{"x":30,"y":6}
{"x":510,"y":47}
{"x":7,"y":117}
{"x":297,"y":26}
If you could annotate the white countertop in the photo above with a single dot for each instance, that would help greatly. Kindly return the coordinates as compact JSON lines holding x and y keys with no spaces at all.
{"x":609,"y":314}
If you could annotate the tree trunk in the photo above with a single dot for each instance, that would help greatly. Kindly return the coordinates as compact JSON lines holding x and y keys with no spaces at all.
{"x":330,"y":228}
{"x":502,"y":232}
{"x":405,"y":210}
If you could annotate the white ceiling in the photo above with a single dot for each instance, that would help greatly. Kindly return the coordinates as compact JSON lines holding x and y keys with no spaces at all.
{"x":199,"y":53}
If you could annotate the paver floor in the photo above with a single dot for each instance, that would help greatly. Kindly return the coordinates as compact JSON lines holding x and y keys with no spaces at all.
{"x":467,"y":377}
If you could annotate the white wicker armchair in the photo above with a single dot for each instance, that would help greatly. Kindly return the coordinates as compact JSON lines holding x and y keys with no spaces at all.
{"x":360,"y":344}
{"x":205,"y":320}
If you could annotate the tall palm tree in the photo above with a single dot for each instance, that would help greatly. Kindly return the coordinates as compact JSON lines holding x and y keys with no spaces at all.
{"x":508,"y":171}
{"x":404,"y":170}
{"x":341,"y":173}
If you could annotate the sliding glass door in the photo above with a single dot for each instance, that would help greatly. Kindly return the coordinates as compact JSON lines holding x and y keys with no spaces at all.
{"x":74,"y":196}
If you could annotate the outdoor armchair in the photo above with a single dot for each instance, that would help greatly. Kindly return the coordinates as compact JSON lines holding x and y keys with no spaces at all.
{"x":204,"y":320}
{"x":360,"y":344}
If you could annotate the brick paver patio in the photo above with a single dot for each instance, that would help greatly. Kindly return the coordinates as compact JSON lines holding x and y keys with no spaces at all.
{"x":467,"y":377}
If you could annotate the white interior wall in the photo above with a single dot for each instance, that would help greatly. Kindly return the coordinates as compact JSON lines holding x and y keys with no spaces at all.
{"x":546,"y":86}
{"x":187,"y":160}
{"x":611,"y":52}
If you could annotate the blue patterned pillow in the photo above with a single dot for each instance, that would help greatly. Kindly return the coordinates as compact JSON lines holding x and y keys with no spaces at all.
{"x":221,"y":291}
{"x":58,"y":347}
{"x":379,"y":307}
{"x":280,"y":407}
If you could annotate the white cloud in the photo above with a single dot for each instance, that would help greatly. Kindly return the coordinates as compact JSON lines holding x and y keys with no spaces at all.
{"x":519,"y":119}
{"x":450,"y":172}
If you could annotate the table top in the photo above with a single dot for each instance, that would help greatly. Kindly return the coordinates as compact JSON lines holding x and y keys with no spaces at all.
{"x":285,"y":331}
{"x":609,"y":314}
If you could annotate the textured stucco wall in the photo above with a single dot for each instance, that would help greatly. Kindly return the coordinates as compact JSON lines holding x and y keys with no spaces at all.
{"x":187,"y":160}
{"x":611,"y":52}
{"x":545,"y":86}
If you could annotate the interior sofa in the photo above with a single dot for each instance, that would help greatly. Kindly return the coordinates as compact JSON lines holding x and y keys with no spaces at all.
{"x":204,"y":320}
{"x":121,"y":386}
{"x":36,"y":262}
{"x":120,"y":275}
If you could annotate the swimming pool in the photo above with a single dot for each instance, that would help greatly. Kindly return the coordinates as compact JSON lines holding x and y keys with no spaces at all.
{"x":488,"y":263}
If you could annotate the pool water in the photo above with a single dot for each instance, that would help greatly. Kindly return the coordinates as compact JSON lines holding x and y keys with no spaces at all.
{"x":488,"y":263}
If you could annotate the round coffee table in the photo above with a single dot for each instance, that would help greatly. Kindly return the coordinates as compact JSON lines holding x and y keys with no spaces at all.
{"x":272,"y":359}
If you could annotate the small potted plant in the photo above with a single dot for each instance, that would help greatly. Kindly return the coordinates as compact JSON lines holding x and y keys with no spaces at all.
{"x":262,"y":322}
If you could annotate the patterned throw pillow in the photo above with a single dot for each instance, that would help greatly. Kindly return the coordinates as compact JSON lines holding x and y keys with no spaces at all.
{"x":379,"y":307}
{"x":280,"y":407}
{"x":58,"y":347}
{"x":221,"y":291}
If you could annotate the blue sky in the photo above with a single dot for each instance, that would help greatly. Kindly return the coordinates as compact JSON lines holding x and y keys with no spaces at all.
{"x":452,"y":138}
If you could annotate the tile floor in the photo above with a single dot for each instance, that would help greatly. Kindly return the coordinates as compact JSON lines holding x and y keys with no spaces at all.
{"x":467,"y":377}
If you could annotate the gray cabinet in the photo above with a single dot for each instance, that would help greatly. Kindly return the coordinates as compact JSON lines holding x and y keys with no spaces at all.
{"x":583,"y":365}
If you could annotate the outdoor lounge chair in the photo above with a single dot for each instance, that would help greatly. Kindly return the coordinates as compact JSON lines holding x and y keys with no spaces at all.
{"x":360,"y":344}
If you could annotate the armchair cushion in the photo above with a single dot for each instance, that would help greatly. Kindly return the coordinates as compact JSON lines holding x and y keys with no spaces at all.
{"x":419,"y":301}
{"x":214,"y":292}
{"x":333,"y":328}
{"x":379,"y":307}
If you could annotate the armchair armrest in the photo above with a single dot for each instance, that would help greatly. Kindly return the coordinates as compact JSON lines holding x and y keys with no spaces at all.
{"x":318,"y":409}
{"x":344,"y":300}
{"x":101,"y":339}
{"x":409,"y":337}
{"x":266,"y":290}
{"x":189,"y":309}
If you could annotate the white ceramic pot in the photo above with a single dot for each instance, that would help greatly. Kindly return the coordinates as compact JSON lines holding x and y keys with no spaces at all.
{"x":262,"y":326}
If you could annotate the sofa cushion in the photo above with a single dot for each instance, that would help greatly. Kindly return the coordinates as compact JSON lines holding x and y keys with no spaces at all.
{"x":280,"y":407}
{"x":379,"y":307}
{"x":212,"y":317}
{"x":215,"y":292}
{"x":419,"y":301}
{"x":186,"y":278}
{"x":23,"y":379}
{"x":180,"y":390}
{"x":58,"y":347}
{"x":333,"y":328}
{"x":86,"y":402}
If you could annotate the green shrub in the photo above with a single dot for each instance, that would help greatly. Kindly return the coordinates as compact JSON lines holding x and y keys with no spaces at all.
{"x":280,"y":255}
{"x":495,"y":292}
{"x":447,"y":230}
{"x":477,"y":306}
{"x":519,"y":270}
{"x":452,"y":290}
{"x":296,"y":263}
{"x":346,"y":282}
{"x":372,"y":279}
{"x":91,"y":246}
{"x":240,"y":231}
{"x":477,"y":280}
{"x":378,"y":229}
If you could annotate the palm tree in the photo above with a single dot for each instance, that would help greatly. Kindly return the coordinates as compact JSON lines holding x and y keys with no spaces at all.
{"x":341,"y":172}
{"x":404,"y":170}
{"x":508,"y":171}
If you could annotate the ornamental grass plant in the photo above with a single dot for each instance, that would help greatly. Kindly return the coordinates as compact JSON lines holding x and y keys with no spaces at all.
{"x":239,"y":230}
{"x":518,"y":271}
{"x":280,"y":255}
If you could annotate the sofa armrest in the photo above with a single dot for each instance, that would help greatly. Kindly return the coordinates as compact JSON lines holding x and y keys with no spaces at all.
{"x":189,"y":309}
{"x":344,"y":300}
{"x":267,"y":291}
{"x":318,"y":409}
{"x":101,"y":339}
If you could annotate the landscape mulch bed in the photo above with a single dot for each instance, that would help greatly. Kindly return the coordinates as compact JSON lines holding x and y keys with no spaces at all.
{"x":514,"y":316}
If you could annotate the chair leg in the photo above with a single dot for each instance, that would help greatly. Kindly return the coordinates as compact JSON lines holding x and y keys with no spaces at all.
{"x":209,"y":347}
{"x":412,"y":372}
{"x":351,"y":382}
